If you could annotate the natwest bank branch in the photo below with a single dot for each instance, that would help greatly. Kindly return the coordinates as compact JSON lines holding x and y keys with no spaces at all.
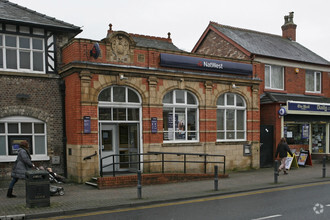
{"x":129,"y":94}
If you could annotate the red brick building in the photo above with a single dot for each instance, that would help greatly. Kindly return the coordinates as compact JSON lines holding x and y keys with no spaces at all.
{"x":132,"y":93}
{"x":295,"y":88}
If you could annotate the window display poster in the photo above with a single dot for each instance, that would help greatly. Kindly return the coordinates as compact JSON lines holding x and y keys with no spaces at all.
{"x":305,"y":131}
{"x":170,"y":127}
{"x":180,"y":125}
{"x":180,"y":122}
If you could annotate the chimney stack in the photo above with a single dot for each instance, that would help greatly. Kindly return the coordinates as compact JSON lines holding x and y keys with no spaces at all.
{"x":289,"y":28}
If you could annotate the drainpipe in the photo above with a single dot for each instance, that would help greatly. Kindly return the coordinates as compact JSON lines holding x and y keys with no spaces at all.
{"x":64,"y":139}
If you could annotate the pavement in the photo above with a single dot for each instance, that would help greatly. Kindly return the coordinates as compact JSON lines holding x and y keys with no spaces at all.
{"x":83,"y":198}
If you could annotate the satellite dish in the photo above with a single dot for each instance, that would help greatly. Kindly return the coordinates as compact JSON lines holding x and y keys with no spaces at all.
{"x":95,"y":51}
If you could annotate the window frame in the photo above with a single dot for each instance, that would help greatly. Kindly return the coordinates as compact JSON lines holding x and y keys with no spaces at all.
{"x":226,"y":107}
{"x":116,"y":105}
{"x":33,"y":136}
{"x":271,"y":75}
{"x":182,"y":108}
{"x":18,"y":50}
{"x":314,"y":73}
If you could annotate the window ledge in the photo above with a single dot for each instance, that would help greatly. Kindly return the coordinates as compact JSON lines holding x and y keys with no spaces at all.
{"x":181,"y":144}
{"x":314,"y":93}
{"x":231,"y":142}
{"x":13,"y":158}
{"x":275,"y":90}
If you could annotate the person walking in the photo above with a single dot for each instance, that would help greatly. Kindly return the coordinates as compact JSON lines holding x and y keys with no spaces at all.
{"x":22,"y":164}
{"x":283,"y":150}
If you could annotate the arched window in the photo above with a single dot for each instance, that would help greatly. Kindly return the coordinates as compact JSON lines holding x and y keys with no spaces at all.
{"x":117,"y":103}
{"x":15,"y":129}
{"x":231,"y":118}
{"x":180,"y":117}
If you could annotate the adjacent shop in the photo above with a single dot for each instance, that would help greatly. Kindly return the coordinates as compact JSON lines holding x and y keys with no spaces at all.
{"x":306,"y":126}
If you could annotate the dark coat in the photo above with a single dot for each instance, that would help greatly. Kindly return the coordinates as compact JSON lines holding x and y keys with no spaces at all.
{"x":283,"y":150}
{"x":22,"y":164}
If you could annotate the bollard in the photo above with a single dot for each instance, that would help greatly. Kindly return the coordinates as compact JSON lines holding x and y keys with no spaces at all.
{"x":216,"y":178}
{"x":324,"y":168}
{"x":276,"y":171}
{"x":139,"y":186}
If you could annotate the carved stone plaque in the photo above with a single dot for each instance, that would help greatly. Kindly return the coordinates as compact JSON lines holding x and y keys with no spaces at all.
{"x":119,"y":49}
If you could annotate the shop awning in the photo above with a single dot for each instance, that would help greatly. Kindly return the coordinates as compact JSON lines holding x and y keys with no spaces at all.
{"x":271,"y":97}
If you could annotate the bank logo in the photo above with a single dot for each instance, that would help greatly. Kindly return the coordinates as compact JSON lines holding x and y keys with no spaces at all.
{"x":211,"y":65}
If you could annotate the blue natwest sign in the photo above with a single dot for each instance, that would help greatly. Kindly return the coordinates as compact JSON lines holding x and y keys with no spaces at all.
{"x":296,"y":106}
{"x":196,"y":63}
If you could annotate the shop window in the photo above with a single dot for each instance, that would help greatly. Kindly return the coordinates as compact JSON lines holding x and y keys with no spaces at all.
{"x":313,"y":81}
{"x":13,"y":130}
{"x":180,"y":117}
{"x":231,"y":118}
{"x":22,"y":53}
{"x":119,"y":104}
{"x":274,"y":77}
{"x":318,"y":138}
{"x":296,"y":134}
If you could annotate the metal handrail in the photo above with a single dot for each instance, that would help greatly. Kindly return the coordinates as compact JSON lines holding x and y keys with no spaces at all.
{"x":90,"y":156}
{"x":162,"y":161}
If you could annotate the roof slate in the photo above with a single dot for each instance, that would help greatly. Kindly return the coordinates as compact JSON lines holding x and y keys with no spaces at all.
{"x":270,"y":45}
{"x":144,"y":41}
{"x":16,"y":13}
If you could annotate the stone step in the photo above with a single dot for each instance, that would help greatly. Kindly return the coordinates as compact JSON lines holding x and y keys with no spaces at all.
{"x":91,"y":184}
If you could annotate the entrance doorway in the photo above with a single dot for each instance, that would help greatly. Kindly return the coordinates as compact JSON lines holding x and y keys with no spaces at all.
{"x":266,"y":145}
{"x":120,"y":140}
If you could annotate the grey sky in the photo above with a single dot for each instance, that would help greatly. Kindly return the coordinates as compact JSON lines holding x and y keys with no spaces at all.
{"x":187,"y":19}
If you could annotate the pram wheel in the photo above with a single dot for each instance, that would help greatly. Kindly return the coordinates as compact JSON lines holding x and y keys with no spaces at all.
{"x":61,"y":192}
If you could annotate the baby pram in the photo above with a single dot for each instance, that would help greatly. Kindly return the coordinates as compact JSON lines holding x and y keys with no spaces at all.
{"x":54,"y":178}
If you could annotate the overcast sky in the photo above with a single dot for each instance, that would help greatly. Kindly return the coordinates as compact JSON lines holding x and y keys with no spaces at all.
{"x":187,"y":19}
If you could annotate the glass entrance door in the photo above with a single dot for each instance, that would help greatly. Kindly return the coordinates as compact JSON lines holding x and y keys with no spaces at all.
{"x":128,"y":146}
{"x":108,"y":143}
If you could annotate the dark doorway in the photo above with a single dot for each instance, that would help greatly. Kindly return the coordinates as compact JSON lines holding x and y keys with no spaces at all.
{"x":266,"y":146}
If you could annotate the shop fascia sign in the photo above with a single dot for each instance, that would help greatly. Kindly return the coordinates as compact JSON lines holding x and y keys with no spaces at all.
{"x":196,"y":63}
{"x":308,"y":107}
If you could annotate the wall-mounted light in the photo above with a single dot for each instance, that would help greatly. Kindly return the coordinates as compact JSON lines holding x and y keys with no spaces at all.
{"x":296,"y":70}
{"x":122,"y":77}
{"x":234,"y":86}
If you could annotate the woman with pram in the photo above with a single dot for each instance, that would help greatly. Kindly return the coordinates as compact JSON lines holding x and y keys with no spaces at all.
{"x":22,"y":164}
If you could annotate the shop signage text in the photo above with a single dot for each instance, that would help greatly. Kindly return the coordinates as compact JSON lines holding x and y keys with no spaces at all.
{"x":197,"y":63}
{"x":308,"y":107}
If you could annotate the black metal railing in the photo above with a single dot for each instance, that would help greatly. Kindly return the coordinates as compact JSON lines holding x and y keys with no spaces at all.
{"x":187,"y":158}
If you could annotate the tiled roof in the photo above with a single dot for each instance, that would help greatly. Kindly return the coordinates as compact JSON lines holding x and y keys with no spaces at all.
{"x":270,"y":97}
{"x":154,"y":42}
{"x":269,"y":45}
{"x":18,"y":14}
